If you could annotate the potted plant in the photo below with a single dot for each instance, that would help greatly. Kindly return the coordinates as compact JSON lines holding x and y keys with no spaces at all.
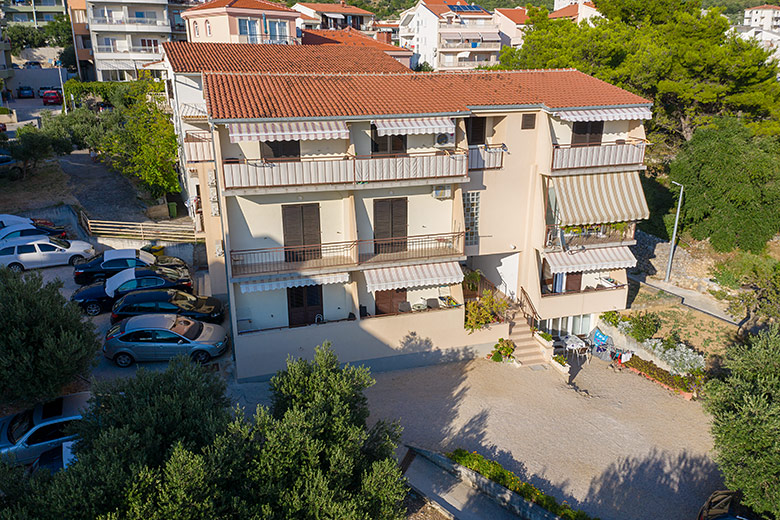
{"x":502,"y":351}
{"x":559,"y":363}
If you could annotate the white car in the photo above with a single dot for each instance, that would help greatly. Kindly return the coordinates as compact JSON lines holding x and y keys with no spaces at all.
{"x":20,"y":254}
{"x":13,"y":220}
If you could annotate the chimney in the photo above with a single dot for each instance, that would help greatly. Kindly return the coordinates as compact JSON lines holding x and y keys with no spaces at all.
{"x":343,"y":3}
{"x":384,"y":37}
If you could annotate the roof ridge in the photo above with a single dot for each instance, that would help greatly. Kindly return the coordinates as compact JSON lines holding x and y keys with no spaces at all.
{"x":385,"y":74}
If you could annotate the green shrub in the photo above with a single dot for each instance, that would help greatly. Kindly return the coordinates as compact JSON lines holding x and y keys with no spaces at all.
{"x":483,"y":312}
{"x":545,"y":336}
{"x":560,"y":359}
{"x":495,"y":472}
{"x":5,"y":110}
{"x":681,"y":383}
{"x":503,"y":350}
{"x":741,"y":268}
{"x":643,"y":325}
{"x":611,"y":317}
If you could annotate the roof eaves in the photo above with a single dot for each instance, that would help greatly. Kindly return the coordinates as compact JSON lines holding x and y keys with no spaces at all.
{"x":369,"y":117}
{"x":601,"y":107}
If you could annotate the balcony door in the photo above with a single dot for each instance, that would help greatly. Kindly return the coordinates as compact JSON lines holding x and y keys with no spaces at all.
{"x":587,"y":133}
{"x":387,"y":301}
{"x":390,"y":225}
{"x":304,"y":304}
{"x":301,"y":226}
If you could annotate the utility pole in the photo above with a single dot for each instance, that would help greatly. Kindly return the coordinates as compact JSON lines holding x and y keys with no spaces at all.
{"x":674,"y":234}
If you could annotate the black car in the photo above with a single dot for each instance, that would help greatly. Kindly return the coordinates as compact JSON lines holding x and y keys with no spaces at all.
{"x":99,"y":297}
{"x":726,"y":505}
{"x":168,"y":301}
{"x":109,"y":263}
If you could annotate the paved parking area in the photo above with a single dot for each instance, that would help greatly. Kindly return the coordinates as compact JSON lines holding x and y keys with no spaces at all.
{"x":615,"y":444}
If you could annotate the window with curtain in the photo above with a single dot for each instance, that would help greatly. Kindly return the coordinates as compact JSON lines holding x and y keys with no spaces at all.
{"x":277,"y":30}
{"x":208,"y":28}
{"x":250,"y":29}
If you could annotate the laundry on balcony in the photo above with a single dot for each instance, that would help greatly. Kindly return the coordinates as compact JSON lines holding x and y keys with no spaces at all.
{"x":588,"y":260}
{"x":606,"y":114}
{"x":600,"y":198}
{"x":425,"y":275}
{"x":286,"y":281}
{"x":413,"y":126}
{"x":293,"y":131}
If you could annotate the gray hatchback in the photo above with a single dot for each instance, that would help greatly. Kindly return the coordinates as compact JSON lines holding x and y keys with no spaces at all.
{"x":160,"y":337}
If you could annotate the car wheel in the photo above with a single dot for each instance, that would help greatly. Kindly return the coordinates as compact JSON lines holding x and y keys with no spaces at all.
{"x":16,"y":268}
{"x":92,"y":309}
{"x":123,"y":360}
{"x":76,"y":259}
{"x":200,"y":357}
{"x":15,"y":173}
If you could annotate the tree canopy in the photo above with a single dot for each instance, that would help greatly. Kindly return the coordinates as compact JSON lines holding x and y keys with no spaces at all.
{"x":45,"y":342}
{"x":746,"y":419}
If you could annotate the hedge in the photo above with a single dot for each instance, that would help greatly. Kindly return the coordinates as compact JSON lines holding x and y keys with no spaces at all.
{"x":682,"y":383}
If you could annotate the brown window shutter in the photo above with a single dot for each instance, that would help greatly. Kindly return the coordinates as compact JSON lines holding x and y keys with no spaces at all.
{"x":311,"y":224}
{"x":382,"y":219}
{"x":292,"y":225}
{"x":399,"y":219}
{"x":573,"y":282}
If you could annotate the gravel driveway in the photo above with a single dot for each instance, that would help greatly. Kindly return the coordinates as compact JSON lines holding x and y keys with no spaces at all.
{"x":615,"y":445}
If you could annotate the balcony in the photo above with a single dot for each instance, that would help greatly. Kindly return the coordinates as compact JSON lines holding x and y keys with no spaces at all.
{"x":621,"y":233}
{"x":614,"y":154}
{"x":449,"y":45}
{"x":110,"y":49}
{"x":286,"y":259}
{"x":269,"y":39}
{"x":486,"y":156}
{"x":198,"y":147}
{"x":347,"y":169}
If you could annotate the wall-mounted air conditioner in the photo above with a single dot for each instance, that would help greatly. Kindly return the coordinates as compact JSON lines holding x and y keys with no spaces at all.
{"x":443,"y":191}
{"x":445,"y":140}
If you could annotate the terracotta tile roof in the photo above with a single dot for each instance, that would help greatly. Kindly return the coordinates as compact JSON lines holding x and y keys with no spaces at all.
{"x":291,"y":59}
{"x":306,"y":17}
{"x":443,"y":7}
{"x":349,"y":37}
{"x":289,"y":96}
{"x":765,"y":6}
{"x":242,"y":4}
{"x":518,"y":15}
{"x":570,"y":11}
{"x":336,"y":8}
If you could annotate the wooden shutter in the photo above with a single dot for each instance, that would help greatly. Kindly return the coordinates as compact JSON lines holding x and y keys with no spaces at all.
{"x":292,"y":224}
{"x":387,"y":301}
{"x":399,"y":217}
{"x":301,"y":226}
{"x":383,"y":218}
{"x":573,"y":282}
{"x":311,"y":224}
{"x":475,"y":130}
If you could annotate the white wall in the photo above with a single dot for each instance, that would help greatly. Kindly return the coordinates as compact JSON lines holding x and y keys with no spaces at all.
{"x":613,"y":130}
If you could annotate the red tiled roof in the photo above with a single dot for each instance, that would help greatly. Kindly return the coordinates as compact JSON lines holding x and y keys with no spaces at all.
{"x":290,"y":59}
{"x":570,"y":11}
{"x":310,"y":18}
{"x":765,"y":6}
{"x":243,"y":4}
{"x":336,"y":8}
{"x":285,"y":96}
{"x":518,"y":15}
{"x":347,"y":36}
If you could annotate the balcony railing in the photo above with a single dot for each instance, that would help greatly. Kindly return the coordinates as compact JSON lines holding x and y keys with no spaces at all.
{"x":161,"y":22}
{"x":343,"y":170}
{"x":345,"y":254}
{"x":583,"y":236}
{"x":479,"y":45}
{"x":198,"y":147}
{"x":617,"y":153}
{"x":486,"y":156}
{"x":127,"y":50}
{"x":603,"y":284}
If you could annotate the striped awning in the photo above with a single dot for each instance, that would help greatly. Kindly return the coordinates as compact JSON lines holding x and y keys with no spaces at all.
{"x":600,"y":198}
{"x":421,"y":125}
{"x":300,"y":131}
{"x":491,"y":37}
{"x":285,"y":281}
{"x":425,"y":275}
{"x":194,"y":111}
{"x":606,"y":114}
{"x":470,"y":35}
{"x":586,"y":260}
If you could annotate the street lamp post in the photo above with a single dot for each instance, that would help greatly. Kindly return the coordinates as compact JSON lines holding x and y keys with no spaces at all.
{"x":674,"y":233}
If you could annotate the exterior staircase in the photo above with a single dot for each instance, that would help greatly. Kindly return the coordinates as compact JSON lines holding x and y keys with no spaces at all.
{"x":527,"y":351}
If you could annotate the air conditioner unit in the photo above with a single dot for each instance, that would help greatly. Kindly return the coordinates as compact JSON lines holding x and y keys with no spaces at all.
{"x":443,"y":191}
{"x":446,"y":140}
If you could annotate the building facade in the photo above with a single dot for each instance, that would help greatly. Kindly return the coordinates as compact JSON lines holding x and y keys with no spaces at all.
{"x":511,"y":24}
{"x":355,"y":38}
{"x":576,"y":12}
{"x":241,"y":21}
{"x":765,"y":17}
{"x":6,"y":69}
{"x":338,"y":15}
{"x":449,"y":36}
{"x":339,"y":207}
{"x":32,"y":12}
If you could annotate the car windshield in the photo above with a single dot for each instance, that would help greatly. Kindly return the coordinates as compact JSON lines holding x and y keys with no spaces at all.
{"x":188,"y":328}
{"x":184,"y":300}
{"x":60,"y":242}
{"x":20,"y":424}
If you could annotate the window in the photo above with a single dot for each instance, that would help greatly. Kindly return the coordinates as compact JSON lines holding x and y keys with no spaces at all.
{"x":139,"y":336}
{"x":529,"y":122}
{"x":48,"y":433}
{"x":117,"y":263}
{"x":145,"y":307}
{"x":47,"y":248}
{"x":150,"y":45}
{"x":390,"y":225}
{"x":280,"y":149}
{"x":168,"y":307}
{"x":6,"y":251}
{"x":301,"y":227}
{"x":195,"y":29}
{"x":20,"y":250}
{"x":475,"y":130}
{"x":19,"y":17}
{"x":250,"y":29}
{"x":112,"y":75}
{"x":79,"y":15}
{"x":48,"y":17}
{"x":304,"y":305}
{"x":387,"y":144}
{"x":208,"y":28}
{"x":471,"y":217}
{"x":129,"y":285}
{"x":166,"y":336}
{"x":152,"y":281}
{"x":277,"y":30}
{"x":31,"y":232}
{"x":587,"y":133}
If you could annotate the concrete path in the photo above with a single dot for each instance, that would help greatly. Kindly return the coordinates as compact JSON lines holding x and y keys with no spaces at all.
{"x":456,"y":497}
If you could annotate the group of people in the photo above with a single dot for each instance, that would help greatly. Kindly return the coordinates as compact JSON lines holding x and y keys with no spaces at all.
{"x":7,"y":95}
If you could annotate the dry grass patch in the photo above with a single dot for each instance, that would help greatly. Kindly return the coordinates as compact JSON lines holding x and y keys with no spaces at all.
{"x":46,"y":186}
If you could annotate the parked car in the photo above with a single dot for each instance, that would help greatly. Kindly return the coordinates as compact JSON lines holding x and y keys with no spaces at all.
{"x":25,"y":92}
{"x":168,"y":301}
{"x":22,"y":254}
{"x":15,"y":66}
{"x":160,"y":337}
{"x":3,"y":127}
{"x":10,"y":168}
{"x":28,"y":434}
{"x":99,"y":297}
{"x":55,"y":459}
{"x":32,"y":65}
{"x":42,"y":91}
{"x":10,"y":220}
{"x":52,"y":97}
{"x":29,"y":230}
{"x":726,"y":505}
{"x":111,"y":262}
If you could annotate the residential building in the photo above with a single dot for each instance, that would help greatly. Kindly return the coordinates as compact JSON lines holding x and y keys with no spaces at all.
{"x":241,"y":21}
{"x":352,"y":37}
{"x":33,"y":12}
{"x":77,"y":11}
{"x":511,"y":24}
{"x":337,"y":15}
{"x":385,"y":31}
{"x":6,"y":70}
{"x":339,"y":205}
{"x":576,"y":12}
{"x":450,"y":35}
{"x":768,"y":40}
{"x":765,"y":17}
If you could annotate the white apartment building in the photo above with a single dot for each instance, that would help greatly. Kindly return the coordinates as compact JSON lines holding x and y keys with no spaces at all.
{"x":341,"y":206}
{"x":511,"y":25}
{"x":450,"y":35}
{"x":765,"y":17}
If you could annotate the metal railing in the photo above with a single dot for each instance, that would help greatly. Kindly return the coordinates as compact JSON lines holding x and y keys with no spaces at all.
{"x":616,"y":153}
{"x":344,"y":254}
{"x":198,"y":147}
{"x":125,"y":50}
{"x":478,"y":45}
{"x":102,"y":20}
{"x":547,"y":289}
{"x":171,"y":232}
{"x":345,"y":169}
{"x":582,"y":236}
{"x":486,"y":156}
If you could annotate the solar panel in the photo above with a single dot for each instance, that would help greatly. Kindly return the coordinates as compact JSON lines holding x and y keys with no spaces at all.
{"x":464,"y":8}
